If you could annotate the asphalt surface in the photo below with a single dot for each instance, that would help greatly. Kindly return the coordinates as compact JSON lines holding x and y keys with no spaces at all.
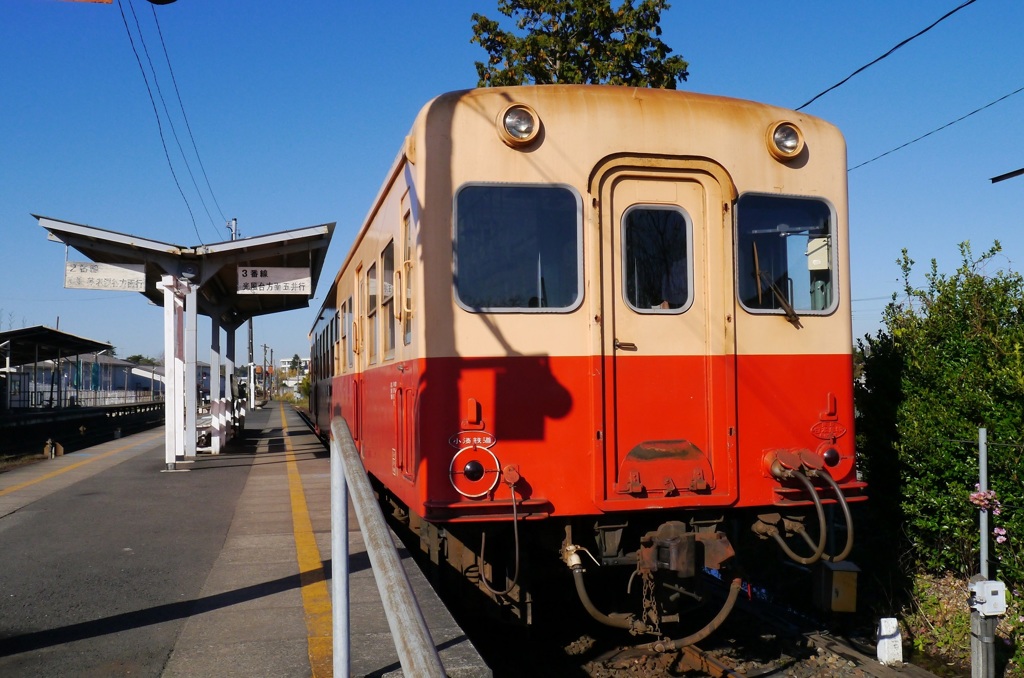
{"x":112,"y":566}
{"x":97,"y":579}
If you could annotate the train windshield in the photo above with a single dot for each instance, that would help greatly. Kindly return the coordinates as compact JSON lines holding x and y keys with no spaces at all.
{"x":785,"y":254}
{"x":518,"y":248}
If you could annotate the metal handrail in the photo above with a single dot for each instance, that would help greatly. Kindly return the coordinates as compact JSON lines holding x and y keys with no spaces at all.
{"x":416,"y":650}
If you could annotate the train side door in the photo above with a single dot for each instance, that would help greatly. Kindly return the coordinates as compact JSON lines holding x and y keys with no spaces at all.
{"x":668,"y":341}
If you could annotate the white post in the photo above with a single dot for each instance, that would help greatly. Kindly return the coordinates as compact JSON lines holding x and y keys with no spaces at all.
{"x":890,"y":644}
{"x":216,"y":393}
{"x":177,"y":403}
{"x":189,"y":372}
{"x":252,"y":387}
{"x":171,"y":435}
{"x":229,"y":372}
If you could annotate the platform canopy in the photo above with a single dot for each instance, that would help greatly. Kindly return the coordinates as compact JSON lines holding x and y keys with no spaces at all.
{"x":215,"y":268}
{"x":32,"y":344}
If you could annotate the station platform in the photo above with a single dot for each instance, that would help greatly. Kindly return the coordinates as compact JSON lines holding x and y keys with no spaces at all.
{"x":112,"y":565}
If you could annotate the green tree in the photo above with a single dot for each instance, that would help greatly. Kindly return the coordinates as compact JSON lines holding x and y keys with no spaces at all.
{"x":140,"y":359}
{"x":295,"y":364}
{"x":949,"y":361}
{"x":577,"y":42}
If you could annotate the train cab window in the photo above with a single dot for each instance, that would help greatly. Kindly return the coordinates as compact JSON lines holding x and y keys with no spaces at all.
{"x":387,"y":299}
{"x":518,"y":248}
{"x":372,"y":316}
{"x":656,"y":267}
{"x":785,"y":254}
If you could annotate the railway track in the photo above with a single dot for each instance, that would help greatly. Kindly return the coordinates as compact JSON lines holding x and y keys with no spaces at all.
{"x":813,"y":654}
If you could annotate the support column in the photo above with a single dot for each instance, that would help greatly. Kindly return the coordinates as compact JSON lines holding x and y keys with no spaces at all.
{"x":172,"y":389}
{"x":229,"y":380}
{"x":189,"y":372}
{"x":216,"y":392}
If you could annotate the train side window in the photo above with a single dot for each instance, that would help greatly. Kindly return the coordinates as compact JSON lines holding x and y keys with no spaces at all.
{"x":372,"y":317}
{"x":387,"y":299}
{"x":346,"y":325}
{"x":785,"y":254}
{"x":343,"y":328}
{"x":657,"y":273}
{"x":336,"y":346}
{"x":518,"y":248}
{"x":407,"y":278}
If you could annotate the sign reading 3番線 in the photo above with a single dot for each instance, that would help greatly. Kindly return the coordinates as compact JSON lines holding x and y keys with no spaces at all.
{"x":273,"y":280}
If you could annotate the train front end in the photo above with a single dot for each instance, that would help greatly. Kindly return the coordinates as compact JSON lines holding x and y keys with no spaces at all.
{"x":633,"y":336}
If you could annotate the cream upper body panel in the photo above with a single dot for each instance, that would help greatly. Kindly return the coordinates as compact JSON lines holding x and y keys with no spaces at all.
{"x":455,"y":142}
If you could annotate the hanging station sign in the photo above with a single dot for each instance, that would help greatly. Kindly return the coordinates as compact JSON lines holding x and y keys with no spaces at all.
{"x":90,"y":275}
{"x":273,"y":280}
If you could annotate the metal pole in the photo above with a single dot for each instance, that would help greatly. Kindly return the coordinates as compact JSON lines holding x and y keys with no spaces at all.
{"x":982,"y":626}
{"x":416,"y":650}
{"x":339,"y":565}
{"x":983,"y":487}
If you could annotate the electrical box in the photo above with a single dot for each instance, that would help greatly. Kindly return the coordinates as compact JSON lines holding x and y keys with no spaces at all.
{"x":835,"y":587}
{"x":817,"y":254}
{"x":988,"y":598}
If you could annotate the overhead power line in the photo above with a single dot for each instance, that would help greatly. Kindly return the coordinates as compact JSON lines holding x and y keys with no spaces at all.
{"x":901,"y":44}
{"x":152,"y":101}
{"x":939,"y":129}
{"x":185,"y":117}
{"x":170,"y":120}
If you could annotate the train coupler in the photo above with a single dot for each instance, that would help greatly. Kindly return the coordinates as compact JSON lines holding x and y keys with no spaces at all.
{"x":673,"y":547}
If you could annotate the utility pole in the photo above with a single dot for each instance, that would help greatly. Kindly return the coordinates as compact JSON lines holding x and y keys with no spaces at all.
{"x":988,"y":598}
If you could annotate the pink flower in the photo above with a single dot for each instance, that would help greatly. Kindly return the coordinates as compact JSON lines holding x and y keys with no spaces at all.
{"x":986,"y":501}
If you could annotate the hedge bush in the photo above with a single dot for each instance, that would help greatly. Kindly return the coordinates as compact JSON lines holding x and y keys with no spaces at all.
{"x":949,"y":360}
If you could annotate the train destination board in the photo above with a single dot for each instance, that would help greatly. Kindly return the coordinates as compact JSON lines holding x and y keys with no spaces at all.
{"x":89,"y":275}
{"x":273,"y":280}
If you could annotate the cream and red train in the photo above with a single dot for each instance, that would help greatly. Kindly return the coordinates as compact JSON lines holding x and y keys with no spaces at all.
{"x":602,"y":326}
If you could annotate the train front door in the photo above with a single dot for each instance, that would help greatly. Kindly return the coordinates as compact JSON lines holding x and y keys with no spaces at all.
{"x":668,"y":342}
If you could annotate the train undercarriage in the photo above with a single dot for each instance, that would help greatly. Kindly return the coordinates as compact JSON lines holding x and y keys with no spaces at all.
{"x":658,"y":579}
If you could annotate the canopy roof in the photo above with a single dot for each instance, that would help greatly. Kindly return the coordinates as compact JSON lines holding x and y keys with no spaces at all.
{"x":213,"y":267}
{"x":30,"y":344}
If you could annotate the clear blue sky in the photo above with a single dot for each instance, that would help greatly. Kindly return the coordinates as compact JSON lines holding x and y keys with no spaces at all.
{"x":298,"y":109}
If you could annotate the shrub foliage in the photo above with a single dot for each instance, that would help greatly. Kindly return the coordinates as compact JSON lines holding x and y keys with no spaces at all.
{"x":950,"y":360}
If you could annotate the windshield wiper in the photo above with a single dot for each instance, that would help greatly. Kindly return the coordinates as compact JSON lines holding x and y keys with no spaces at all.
{"x":763,"y":279}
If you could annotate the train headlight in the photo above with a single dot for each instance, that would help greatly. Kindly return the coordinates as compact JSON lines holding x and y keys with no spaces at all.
{"x":474,"y":471}
{"x":831,"y":457}
{"x":785,"y":140}
{"x":518,"y":125}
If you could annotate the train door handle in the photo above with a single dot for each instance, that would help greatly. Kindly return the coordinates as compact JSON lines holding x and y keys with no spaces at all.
{"x":625,"y":345}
